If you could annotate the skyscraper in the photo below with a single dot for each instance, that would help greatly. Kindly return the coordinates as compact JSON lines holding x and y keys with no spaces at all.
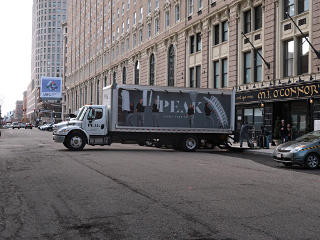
{"x":47,"y":19}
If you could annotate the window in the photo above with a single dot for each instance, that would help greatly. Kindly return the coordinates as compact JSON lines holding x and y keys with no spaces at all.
{"x":224,"y":31}
{"x":190,"y":7}
{"x":136,"y":72}
{"x":303,"y":6}
{"x":140,"y":36}
{"x":198,"y":76}
{"x":257,"y":66}
{"x":156,"y":4}
{"x":192,"y":44}
{"x":216,"y":34}
{"x":288,"y":8}
{"x":128,"y":24}
{"x":224,"y":72}
{"x":247,"y":67}
{"x":124,"y":75}
{"x":288,"y":58}
{"x":216,"y":74}
{"x":134,"y":18}
{"x":303,"y":55}
{"x":171,"y":62}
{"x":128,"y":5}
{"x":105,"y":81}
{"x":122,"y":9}
{"x":191,"y":75}
{"x":167,"y":19}
{"x":257,"y":17}
{"x":114,"y":77}
{"x":199,"y":5}
{"x":149,"y":30}
{"x":198,"y":46}
{"x":177,"y":13}
{"x":149,"y":6}
{"x":141,"y":14}
{"x":151,"y":73}
{"x":247,"y":21}
{"x":98,"y":95}
{"x":156,"y":26}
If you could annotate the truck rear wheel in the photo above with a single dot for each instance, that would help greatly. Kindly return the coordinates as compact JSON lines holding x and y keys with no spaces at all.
{"x":190,"y":143}
{"x":75,"y":142}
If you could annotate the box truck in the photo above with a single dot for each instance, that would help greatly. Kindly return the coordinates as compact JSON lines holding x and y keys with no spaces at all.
{"x":183,"y":118}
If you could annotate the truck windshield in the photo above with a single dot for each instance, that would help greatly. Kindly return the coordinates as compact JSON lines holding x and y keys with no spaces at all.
{"x":82,"y":113}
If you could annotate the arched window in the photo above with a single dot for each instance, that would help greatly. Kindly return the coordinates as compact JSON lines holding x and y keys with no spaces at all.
{"x":114,"y":77}
{"x":171,"y":56}
{"x":136,"y":73}
{"x":105,"y":81}
{"x":151,"y":73}
{"x":124,"y":75}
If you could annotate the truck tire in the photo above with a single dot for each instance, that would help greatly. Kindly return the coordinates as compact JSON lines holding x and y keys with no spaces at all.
{"x":75,"y":141}
{"x":190,"y":143}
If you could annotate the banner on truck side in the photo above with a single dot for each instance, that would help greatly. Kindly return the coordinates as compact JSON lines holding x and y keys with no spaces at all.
{"x":51,"y":88}
{"x":189,"y":109}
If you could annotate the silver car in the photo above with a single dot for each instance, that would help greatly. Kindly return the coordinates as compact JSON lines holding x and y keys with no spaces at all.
{"x":304,"y":151}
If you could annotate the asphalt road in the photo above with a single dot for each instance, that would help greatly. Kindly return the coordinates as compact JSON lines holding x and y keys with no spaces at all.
{"x":131,"y":192}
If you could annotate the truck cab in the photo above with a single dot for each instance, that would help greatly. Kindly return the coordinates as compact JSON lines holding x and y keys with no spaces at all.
{"x":89,"y":127}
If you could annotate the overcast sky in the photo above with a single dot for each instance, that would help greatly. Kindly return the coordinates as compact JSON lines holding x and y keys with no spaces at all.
{"x":15,"y":51}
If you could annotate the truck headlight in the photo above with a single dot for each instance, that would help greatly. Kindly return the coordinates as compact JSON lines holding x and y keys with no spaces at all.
{"x":62,"y":131}
{"x":298,"y":149}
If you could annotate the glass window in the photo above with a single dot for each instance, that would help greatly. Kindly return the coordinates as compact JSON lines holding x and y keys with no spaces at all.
{"x":248,"y":115}
{"x":224,"y":75}
{"x":216,"y":34}
{"x":124,"y":75}
{"x":140,"y":36}
{"x":247,"y":67}
{"x":114,"y":77}
{"x":149,"y":6}
{"x":257,"y":66}
{"x":149,"y":30}
{"x":199,"y":5}
{"x":98,"y":92}
{"x":224,"y":31}
{"x":151,"y":70}
{"x":191,"y":75}
{"x":171,"y":63}
{"x":167,"y":19}
{"x":156,"y":26}
{"x":258,"y":118}
{"x":216,"y":74}
{"x":134,"y":40}
{"x":198,"y":49}
{"x":257,"y":17}
{"x":288,"y":8}
{"x":303,"y":55}
{"x":134,"y":18}
{"x":198,"y":76}
{"x":191,"y":44}
{"x":136,"y":73}
{"x":177,"y":12}
{"x":190,"y":7}
{"x":303,"y":6}
{"x":141,"y":13}
{"x":288,"y":58}
{"x":156,"y":4}
{"x":247,"y":21}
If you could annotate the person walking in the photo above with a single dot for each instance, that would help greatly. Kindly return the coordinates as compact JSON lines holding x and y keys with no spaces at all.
{"x":283,"y":132}
{"x":140,"y":113}
{"x":267,"y":135}
{"x":244,"y":133}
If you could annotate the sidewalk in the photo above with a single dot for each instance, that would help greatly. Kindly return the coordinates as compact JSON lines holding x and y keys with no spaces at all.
{"x":256,"y":150}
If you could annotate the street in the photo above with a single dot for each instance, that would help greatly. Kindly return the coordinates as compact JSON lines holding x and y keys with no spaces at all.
{"x":132,"y":192}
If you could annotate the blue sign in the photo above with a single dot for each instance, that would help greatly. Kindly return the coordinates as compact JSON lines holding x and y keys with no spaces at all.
{"x":51,"y":88}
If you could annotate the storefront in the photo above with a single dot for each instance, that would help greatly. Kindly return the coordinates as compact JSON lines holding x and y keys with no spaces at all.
{"x":297,"y":104}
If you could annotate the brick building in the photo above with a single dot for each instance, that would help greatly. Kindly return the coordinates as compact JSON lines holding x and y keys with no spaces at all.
{"x":251,"y":46}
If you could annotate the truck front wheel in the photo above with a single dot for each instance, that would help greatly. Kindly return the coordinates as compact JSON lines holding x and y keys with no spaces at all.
{"x":75,"y":142}
{"x":190,"y":143}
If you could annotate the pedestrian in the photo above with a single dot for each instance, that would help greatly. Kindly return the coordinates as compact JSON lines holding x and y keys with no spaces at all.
{"x":283,"y":132}
{"x":190,"y":115}
{"x":289,"y":132}
{"x":267,"y":135}
{"x":140,"y":113}
{"x":155,"y":114}
{"x":244,"y":133}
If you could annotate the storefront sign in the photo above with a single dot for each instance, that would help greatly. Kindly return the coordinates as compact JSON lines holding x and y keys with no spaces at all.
{"x":281,"y":92}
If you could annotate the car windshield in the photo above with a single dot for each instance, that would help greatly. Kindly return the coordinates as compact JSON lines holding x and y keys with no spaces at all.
{"x":82,"y":113}
{"x":309,"y":137}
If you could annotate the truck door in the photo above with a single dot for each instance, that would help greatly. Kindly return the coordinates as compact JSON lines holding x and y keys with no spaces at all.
{"x":96,"y":121}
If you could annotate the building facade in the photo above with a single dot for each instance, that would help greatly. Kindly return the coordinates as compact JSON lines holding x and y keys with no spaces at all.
{"x":250,"y":46}
{"x":47,"y":61}
{"x":18,"y":113}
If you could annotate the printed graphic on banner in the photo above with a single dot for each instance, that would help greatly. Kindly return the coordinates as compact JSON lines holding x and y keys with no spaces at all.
{"x":149,"y":108}
{"x":51,"y":88}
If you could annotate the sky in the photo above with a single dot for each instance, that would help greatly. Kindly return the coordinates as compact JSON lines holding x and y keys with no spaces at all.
{"x":15,"y":51}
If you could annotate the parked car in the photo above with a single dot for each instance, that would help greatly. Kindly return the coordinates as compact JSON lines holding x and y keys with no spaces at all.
{"x":15,"y":125}
{"x":8,"y":125}
{"x":28,"y":125}
{"x":22,"y":125}
{"x":304,"y":151}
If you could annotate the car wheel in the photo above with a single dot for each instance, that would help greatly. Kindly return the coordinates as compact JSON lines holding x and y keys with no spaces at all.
{"x":190,"y":144}
{"x":312,"y":161}
{"x":75,"y":142}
